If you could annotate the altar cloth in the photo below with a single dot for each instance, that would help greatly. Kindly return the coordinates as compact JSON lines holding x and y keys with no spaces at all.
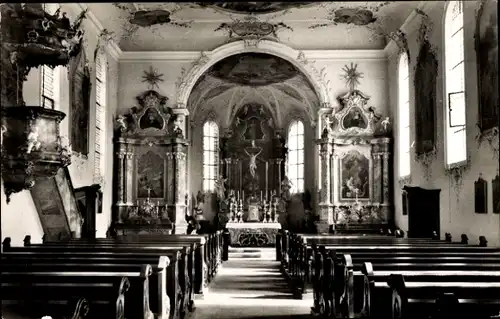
{"x":253,"y":234}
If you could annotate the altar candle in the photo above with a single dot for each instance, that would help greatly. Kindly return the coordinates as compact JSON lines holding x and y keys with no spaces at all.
{"x":238,"y":195}
{"x":261,"y":196}
{"x":243,"y":195}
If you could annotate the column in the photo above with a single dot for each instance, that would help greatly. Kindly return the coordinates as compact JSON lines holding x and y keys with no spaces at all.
{"x":385,"y":207}
{"x":278,"y":167}
{"x":121,"y":178}
{"x":179,"y":159}
{"x":180,"y":115}
{"x":129,"y":177}
{"x":325,"y":205}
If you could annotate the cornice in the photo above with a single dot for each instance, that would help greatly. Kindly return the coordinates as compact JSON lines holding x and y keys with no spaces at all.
{"x":316,"y":55}
{"x":406,"y":27}
{"x":113,"y":49}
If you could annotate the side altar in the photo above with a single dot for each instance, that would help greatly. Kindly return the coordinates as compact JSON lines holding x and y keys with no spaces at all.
{"x":252,"y":190}
{"x":356,"y":159}
{"x":150,"y":179}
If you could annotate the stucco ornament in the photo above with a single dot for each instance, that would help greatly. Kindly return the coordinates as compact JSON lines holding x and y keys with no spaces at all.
{"x":456,"y":174}
{"x":187,"y":74}
{"x":491,"y":137}
{"x":319,"y":75}
{"x":252,"y":29}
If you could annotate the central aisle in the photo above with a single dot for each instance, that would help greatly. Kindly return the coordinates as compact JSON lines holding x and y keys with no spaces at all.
{"x":248,"y":289}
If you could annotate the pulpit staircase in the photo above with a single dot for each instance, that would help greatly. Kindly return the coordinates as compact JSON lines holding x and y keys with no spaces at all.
{"x":252,"y":253}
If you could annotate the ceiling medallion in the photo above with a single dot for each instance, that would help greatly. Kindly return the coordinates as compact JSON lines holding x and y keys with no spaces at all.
{"x":252,"y":27}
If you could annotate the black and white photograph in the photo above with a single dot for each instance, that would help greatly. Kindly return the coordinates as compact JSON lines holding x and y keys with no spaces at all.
{"x":250,"y":160}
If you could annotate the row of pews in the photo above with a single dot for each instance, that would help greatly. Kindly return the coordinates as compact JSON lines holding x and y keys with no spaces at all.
{"x":123,"y":277}
{"x":389,"y":277}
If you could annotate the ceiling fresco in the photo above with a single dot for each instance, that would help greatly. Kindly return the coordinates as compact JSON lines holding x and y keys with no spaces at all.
{"x":195,"y":26}
{"x":253,"y":78}
{"x":253,"y":69}
{"x":254,"y":7}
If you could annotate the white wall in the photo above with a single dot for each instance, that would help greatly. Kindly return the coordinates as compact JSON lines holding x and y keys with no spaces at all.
{"x":457,"y":211}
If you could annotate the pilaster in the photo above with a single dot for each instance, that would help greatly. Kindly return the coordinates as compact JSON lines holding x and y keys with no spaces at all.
{"x":179,"y":150}
{"x":325,"y":205}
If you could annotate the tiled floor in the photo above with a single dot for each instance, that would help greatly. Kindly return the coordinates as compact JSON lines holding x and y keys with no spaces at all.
{"x":250,"y":289}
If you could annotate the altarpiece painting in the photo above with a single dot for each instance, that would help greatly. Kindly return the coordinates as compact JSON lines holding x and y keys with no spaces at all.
{"x":486,"y":38}
{"x":79,"y":111}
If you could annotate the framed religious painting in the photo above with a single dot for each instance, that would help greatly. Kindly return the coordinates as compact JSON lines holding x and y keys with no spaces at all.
{"x":486,"y":43}
{"x":354,"y":176}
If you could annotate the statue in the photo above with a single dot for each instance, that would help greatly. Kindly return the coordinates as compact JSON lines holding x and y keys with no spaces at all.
{"x":122,"y":124}
{"x":220,"y":188}
{"x":33,"y":143}
{"x":385,"y":123}
{"x":253,"y":159}
{"x":286,"y":186}
{"x":327,"y":131}
{"x":4,"y":129}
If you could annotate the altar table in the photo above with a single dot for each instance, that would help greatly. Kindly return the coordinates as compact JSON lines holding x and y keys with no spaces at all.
{"x":250,"y":234}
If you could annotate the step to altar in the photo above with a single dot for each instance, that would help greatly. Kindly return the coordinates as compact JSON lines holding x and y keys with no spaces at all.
{"x":252,"y":253}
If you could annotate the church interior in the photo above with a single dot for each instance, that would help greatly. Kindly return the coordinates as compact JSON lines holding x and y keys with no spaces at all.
{"x":250,"y":160}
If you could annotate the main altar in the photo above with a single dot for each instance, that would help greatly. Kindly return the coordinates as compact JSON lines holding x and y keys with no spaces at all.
{"x":252,"y":190}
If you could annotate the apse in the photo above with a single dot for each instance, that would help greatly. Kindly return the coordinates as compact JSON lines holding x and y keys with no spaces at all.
{"x":254,"y":78}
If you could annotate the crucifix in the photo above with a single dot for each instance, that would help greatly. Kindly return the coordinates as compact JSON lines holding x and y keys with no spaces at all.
{"x":149,"y":191}
{"x":253,"y":152}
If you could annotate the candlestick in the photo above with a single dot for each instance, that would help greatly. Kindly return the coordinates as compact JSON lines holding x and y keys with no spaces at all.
{"x":238,"y":195}
{"x":243,"y":195}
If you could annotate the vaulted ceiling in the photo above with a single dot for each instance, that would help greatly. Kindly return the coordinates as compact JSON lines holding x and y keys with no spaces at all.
{"x":253,"y":78}
{"x":205,"y":26}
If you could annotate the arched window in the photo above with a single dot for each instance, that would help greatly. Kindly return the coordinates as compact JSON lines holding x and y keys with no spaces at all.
{"x":404,"y":116}
{"x":100,"y":114}
{"x":210,"y":155}
{"x":295,"y":161}
{"x":455,"y":132}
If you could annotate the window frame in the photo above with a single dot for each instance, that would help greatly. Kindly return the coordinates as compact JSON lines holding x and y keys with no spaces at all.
{"x":43,"y":93}
{"x":300,"y":163}
{"x":404,"y":106}
{"x":208,"y":182}
{"x":100,"y":115}
{"x":451,"y":46}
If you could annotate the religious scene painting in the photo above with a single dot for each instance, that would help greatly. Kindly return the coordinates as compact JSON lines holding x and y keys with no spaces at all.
{"x":150,"y":176}
{"x":151,"y":119}
{"x":487,"y":63}
{"x":80,"y":90}
{"x":354,"y":171}
{"x":354,"y":119}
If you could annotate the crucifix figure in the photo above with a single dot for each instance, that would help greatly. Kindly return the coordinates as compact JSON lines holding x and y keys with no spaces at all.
{"x":254,"y":152}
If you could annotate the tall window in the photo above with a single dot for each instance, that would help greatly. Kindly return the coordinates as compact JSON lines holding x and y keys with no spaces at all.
{"x":456,"y":145}
{"x":210,"y":155}
{"x":404,"y":116}
{"x":100,"y":115}
{"x":49,"y":79}
{"x":48,"y":89}
{"x":296,"y":156}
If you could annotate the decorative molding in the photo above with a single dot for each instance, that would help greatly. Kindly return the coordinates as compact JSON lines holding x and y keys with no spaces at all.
{"x":456,"y":174}
{"x":318,"y":55}
{"x":112,"y":48}
{"x":491,"y":137}
{"x":392,"y":48}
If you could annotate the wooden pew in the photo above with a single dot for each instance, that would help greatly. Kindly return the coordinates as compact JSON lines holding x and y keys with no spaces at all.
{"x":176,"y":280}
{"x":37,"y":290}
{"x":377,"y":301}
{"x":188,"y":261}
{"x":347,"y":275}
{"x":443,"y":296}
{"x":208,"y":249}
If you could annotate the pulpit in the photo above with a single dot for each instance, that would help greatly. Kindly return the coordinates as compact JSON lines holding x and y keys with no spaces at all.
{"x":151,"y":169}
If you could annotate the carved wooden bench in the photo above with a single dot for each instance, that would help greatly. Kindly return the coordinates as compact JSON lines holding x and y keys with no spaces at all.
{"x":37,"y":290}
